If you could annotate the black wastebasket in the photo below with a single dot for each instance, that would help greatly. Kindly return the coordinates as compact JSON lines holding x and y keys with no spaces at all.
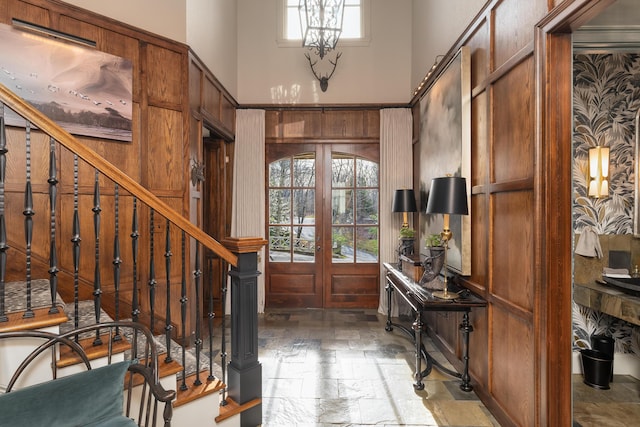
{"x":596,"y":368}
{"x":606,"y":345}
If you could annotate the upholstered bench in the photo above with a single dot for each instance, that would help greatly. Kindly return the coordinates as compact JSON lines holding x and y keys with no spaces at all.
{"x":91,"y":397}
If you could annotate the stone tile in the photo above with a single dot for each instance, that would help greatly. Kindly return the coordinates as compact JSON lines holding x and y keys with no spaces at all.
{"x":340,"y":367}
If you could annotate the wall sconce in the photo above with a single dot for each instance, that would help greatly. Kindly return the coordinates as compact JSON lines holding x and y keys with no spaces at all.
{"x":197,"y":172}
{"x":599,"y":171}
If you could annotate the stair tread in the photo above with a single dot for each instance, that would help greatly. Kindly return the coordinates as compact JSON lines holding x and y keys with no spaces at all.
{"x":68,"y":357}
{"x":194,"y":392}
{"x":41,"y":319}
{"x":15,"y":295}
{"x":233,"y":408}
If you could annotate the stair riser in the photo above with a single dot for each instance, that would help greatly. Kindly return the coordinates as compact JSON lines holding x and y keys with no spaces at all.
{"x":14,"y":351}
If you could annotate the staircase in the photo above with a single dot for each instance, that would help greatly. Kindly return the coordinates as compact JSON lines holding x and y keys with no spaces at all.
{"x":56,"y":282}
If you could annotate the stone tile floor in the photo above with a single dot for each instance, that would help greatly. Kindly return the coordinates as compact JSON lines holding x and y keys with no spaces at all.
{"x":341,"y":368}
{"x":617,"y":407}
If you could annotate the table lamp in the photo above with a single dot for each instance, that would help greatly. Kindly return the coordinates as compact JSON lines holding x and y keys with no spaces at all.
{"x":404,"y":201}
{"x":448,"y":196}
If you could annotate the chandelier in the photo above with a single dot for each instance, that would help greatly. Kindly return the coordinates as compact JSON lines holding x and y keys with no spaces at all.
{"x":321,"y":24}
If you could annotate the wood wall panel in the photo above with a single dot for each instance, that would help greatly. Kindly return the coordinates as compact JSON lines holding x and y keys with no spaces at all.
{"x":165,"y":76}
{"x":479,"y":250}
{"x":196,"y":77}
{"x":479,"y":346}
{"x":85,"y":30}
{"x":512,"y":248}
{"x":340,"y":124}
{"x":513,"y":27}
{"x":228,"y":113}
{"x":479,"y":148}
{"x":210,"y":99}
{"x":25,"y":11}
{"x":479,"y":47}
{"x":165,"y":170}
{"x":335,"y":125}
{"x":513,"y":124}
{"x":299,"y":124}
{"x":272,"y":124}
{"x":512,"y":358}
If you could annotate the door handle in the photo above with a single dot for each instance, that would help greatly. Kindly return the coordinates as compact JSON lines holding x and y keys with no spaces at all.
{"x":318,"y":248}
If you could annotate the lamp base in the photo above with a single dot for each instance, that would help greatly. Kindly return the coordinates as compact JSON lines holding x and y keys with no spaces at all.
{"x":445,"y":294}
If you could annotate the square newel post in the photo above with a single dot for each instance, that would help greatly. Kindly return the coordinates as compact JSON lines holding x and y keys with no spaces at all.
{"x":245,"y":371}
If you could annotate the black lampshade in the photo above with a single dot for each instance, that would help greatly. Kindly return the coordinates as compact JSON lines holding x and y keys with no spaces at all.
{"x":448,"y":195}
{"x":404,"y":201}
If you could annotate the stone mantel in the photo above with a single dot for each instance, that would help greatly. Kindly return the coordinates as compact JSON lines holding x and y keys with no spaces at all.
{"x":608,"y":300}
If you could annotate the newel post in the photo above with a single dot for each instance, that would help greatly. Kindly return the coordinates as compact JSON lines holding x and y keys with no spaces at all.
{"x":245,"y":371}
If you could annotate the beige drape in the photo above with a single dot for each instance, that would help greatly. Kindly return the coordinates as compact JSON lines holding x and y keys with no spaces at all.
{"x":248,"y":210}
{"x":396,"y":172}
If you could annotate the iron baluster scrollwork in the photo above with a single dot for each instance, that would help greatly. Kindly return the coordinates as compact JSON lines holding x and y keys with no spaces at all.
{"x":211,"y":314}
{"x":167,"y":258}
{"x":135,"y":235}
{"x":183,"y":310}
{"x":116,"y":259}
{"x":152,"y":274}
{"x":197,"y":275}
{"x":97,"y":286}
{"x":223,"y":338}
{"x":75,"y":239}
{"x":3,"y":229}
{"x":53,"y":254}
{"x":28,"y":220}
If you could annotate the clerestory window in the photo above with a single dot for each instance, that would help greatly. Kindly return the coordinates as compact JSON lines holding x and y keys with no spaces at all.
{"x":355,"y":24}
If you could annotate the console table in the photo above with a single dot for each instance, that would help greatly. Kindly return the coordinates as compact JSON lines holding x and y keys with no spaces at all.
{"x":421,"y":300}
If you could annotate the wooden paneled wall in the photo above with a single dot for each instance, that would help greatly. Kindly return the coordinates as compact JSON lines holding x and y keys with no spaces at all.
{"x":173,"y":95}
{"x":318,"y":125}
{"x":521,"y":216}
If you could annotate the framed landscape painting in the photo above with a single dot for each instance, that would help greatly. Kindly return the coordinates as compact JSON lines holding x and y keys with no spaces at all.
{"x":445,"y":149}
{"x":86,"y":91}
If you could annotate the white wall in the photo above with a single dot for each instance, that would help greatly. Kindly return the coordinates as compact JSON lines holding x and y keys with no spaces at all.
{"x":163,"y":17}
{"x":378,"y":73}
{"x":212,"y":35}
{"x":437,"y":24}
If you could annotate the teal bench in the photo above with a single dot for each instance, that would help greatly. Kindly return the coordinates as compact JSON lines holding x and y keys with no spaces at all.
{"x":92,"y":397}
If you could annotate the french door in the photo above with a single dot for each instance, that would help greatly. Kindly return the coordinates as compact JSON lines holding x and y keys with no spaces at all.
{"x":322,"y":207}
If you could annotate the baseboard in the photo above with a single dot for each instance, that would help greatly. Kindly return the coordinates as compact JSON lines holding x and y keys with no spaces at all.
{"x":623,"y":364}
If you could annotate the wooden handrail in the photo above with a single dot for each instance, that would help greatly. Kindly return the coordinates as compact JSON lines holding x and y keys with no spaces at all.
{"x":109,"y":170}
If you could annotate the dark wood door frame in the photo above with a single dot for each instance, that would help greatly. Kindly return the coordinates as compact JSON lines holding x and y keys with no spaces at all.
{"x":554,"y":60}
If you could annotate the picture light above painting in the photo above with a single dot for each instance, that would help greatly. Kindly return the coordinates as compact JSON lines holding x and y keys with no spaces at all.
{"x":87,"y":92}
{"x":445,"y":149}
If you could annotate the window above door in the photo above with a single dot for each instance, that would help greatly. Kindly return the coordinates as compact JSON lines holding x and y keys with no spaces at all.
{"x":355,"y":26}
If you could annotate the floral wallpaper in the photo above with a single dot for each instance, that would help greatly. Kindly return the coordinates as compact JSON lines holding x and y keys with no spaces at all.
{"x":606,"y":98}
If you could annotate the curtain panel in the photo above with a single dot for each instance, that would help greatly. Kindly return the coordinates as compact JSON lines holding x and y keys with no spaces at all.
{"x":396,"y":172}
{"x":248,"y":205}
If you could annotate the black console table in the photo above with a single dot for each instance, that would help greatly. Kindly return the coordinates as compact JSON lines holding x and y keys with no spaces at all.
{"x":421,"y":300}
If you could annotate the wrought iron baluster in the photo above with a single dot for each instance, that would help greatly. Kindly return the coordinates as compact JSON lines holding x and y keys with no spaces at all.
{"x":196,"y":275}
{"x":116,"y":260}
{"x":183,"y":310}
{"x":211,"y":314}
{"x":135,"y":235}
{"x":53,"y":254}
{"x":223,"y":338}
{"x":97,"y":285}
{"x":168,"y":327}
{"x":152,"y":274}
{"x":3,"y":230}
{"x":76,"y":244}
{"x":28,"y":220}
